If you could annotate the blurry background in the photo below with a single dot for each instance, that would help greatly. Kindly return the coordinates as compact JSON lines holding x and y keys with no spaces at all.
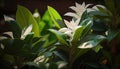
{"x":9,"y":7}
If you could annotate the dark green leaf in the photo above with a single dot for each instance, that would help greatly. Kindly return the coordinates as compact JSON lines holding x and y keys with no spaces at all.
{"x":87,"y":24}
{"x":13,"y":26}
{"x":60,"y":55}
{"x":53,"y":66}
{"x":92,"y":43}
{"x":42,"y":66}
{"x":112,"y":34}
{"x":79,"y":52}
{"x":13,"y":46}
{"x":60,"y":36}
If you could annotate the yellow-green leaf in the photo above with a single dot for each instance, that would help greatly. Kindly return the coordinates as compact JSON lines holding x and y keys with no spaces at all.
{"x":25,"y":18}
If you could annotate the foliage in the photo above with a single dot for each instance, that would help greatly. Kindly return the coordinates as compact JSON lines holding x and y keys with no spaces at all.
{"x":50,"y":42}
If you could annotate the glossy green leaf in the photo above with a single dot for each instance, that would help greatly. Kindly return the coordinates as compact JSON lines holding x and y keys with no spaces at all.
{"x":92,"y":43}
{"x":87,"y":24}
{"x":77,"y":34}
{"x":60,"y":36}
{"x":47,"y":19}
{"x":55,"y":16}
{"x":45,"y":23}
{"x":25,"y":18}
{"x":13,"y":26}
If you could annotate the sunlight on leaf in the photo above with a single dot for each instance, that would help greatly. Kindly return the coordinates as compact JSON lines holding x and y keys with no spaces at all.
{"x":26,"y":32}
{"x":25,"y":18}
{"x":55,"y":16}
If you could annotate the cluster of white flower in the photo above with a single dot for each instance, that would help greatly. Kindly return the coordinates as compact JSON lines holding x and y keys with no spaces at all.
{"x":74,"y":24}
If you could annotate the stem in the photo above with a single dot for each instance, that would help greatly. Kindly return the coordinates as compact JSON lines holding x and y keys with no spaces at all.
{"x":71,"y":56}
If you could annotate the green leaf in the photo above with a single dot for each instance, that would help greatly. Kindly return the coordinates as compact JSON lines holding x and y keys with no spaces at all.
{"x":61,"y":55}
{"x":9,"y":58}
{"x":77,"y":33}
{"x":42,"y":66}
{"x":47,"y":19}
{"x":94,"y":65}
{"x":60,"y":36}
{"x":29,"y":37}
{"x":45,"y":23}
{"x":53,"y":66}
{"x":87,"y":24}
{"x":42,"y":24}
{"x":13,"y":46}
{"x":92,"y":43}
{"x":25,"y":18}
{"x":97,"y":48}
{"x":80,"y":52}
{"x":47,"y":54}
{"x":84,"y":16}
{"x":50,"y":40}
{"x":112,"y":34}
{"x":55,"y":16}
{"x":38,"y":46}
{"x":98,"y":13}
{"x":13,"y":26}
{"x":30,"y":65}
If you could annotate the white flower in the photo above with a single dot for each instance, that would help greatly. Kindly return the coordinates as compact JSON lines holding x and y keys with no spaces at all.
{"x":95,"y":8}
{"x":36,"y":15}
{"x":71,"y":27}
{"x":79,"y":10}
{"x":7,"y":18}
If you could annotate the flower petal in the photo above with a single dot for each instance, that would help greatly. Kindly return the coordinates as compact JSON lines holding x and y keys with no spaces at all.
{"x":63,"y":30}
{"x":88,"y":5}
{"x":72,"y":14}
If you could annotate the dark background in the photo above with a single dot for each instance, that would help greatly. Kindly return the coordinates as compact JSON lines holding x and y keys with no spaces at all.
{"x":9,"y":7}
